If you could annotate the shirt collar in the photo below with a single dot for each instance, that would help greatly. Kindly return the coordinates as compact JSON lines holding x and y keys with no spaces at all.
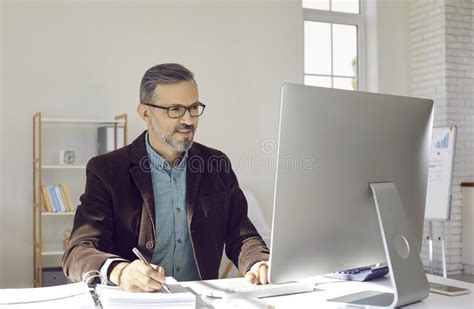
{"x":158,"y":162}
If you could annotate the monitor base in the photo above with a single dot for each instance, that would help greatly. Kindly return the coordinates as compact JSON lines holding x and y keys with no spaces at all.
{"x":366,"y":298}
{"x":407,"y":274}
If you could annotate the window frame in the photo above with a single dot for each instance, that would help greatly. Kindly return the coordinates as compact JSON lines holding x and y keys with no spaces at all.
{"x":343,"y":18}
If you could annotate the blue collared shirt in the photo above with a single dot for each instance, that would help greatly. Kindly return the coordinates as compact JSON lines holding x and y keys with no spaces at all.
{"x":173,"y":250}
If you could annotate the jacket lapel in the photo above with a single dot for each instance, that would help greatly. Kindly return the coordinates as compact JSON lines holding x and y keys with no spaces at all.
{"x":140,"y":171}
{"x":195,"y":167}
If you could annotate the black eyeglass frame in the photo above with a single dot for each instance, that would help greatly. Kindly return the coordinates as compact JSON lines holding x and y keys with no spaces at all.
{"x":186,"y":108}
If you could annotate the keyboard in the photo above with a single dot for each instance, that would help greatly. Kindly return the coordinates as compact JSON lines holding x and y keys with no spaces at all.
{"x":365,"y":273}
{"x":266,"y":290}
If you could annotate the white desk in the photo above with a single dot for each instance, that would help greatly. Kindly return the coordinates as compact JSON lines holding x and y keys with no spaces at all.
{"x":317,"y":298}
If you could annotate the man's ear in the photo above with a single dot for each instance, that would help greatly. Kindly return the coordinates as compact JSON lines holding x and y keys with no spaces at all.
{"x":143,"y":112}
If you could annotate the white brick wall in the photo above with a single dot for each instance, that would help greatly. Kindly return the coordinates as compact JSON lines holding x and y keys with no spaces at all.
{"x":441,"y":68}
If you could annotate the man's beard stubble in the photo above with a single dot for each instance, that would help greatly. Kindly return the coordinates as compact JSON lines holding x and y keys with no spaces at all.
{"x":166,"y":138}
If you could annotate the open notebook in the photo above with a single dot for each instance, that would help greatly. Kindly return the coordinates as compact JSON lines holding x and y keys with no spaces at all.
{"x":78,"y":295}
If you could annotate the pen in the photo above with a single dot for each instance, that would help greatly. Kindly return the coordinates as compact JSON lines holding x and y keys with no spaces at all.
{"x":142,"y":258}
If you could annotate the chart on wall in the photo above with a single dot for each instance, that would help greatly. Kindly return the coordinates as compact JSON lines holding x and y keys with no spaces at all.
{"x":438,"y":199}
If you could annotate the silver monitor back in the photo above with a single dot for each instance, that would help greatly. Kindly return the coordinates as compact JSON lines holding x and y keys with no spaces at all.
{"x":331,"y":145}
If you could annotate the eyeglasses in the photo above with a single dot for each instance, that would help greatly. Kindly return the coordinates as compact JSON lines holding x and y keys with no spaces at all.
{"x":178,"y":110}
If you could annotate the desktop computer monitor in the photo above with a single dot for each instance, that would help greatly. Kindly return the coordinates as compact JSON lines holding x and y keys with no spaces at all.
{"x":331,"y":145}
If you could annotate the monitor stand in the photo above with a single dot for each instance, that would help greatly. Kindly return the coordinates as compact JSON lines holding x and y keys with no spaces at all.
{"x":406,"y":270}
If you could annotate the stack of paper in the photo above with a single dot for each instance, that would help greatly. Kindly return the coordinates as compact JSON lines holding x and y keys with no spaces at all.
{"x":114,"y":297}
{"x":61,"y":296}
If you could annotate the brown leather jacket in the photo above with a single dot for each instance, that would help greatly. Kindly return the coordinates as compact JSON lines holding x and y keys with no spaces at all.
{"x":117,"y":212}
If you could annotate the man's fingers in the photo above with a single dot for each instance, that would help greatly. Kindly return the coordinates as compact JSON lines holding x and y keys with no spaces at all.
{"x":161,"y":270}
{"x":137,"y":282}
{"x":134,"y":289}
{"x":158,"y":268}
{"x":146,"y":283}
{"x":250,"y":277}
{"x":140,"y":277}
{"x":151,"y":272}
{"x":263,"y":274}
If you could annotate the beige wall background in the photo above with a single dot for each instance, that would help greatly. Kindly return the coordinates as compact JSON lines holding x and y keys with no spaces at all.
{"x":86,"y":59}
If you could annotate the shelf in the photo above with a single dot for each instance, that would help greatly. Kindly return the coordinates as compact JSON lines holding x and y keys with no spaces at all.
{"x":53,"y":214}
{"x":63,"y":167}
{"x":52,"y":258}
{"x":49,"y":226}
{"x":52,"y":253}
{"x":84,"y":121}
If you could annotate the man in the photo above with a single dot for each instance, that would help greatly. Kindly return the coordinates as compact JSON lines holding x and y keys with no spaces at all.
{"x":177,"y":201}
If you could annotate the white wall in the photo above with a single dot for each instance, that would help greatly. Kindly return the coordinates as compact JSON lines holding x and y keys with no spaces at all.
{"x":424,"y":49}
{"x":441,"y":69}
{"x":388,"y":45}
{"x":1,"y":147}
{"x":86,"y":59}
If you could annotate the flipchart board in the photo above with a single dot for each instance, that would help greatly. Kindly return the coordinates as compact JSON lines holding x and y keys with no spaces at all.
{"x":438,"y":198}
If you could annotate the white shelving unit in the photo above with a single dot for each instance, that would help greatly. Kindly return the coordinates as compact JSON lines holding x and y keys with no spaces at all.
{"x":63,"y":167}
{"x":57,"y":214}
{"x":50,"y":255}
{"x":88,"y":121}
{"x":46,"y":253}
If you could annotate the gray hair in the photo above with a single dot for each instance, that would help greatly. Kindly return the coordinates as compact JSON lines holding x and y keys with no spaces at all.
{"x":167,"y":73}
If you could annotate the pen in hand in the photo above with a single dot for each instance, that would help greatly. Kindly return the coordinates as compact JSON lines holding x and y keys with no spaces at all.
{"x":142,"y":258}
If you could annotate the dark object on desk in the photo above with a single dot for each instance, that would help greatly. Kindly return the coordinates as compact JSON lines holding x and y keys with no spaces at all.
{"x":365,"y":273}
{"x":53,"y":276}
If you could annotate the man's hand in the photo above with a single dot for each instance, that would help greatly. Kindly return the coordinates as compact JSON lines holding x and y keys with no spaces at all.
{"x":137,"y":276}
{"x":258,"y":274}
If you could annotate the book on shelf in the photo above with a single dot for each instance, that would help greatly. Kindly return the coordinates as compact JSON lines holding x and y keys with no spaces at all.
{"x":67,"y":193}
{"x":46,"y":200}
{"x":54,"y":203}
{"x":63,"y":197}
{"x":57,"y":198}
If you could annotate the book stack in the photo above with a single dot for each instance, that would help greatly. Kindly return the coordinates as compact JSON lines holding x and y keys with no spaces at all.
{"x":57,"y":198}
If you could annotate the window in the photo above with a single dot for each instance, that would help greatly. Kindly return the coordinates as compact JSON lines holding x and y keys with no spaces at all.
{"x":333,"y":40}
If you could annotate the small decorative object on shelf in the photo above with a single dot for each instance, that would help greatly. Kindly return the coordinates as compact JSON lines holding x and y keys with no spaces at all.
{"x":67,"y":157}
{"x":53,"y":202}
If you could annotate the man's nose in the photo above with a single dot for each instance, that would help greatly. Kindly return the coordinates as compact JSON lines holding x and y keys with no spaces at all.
{"x":187,"y":119}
